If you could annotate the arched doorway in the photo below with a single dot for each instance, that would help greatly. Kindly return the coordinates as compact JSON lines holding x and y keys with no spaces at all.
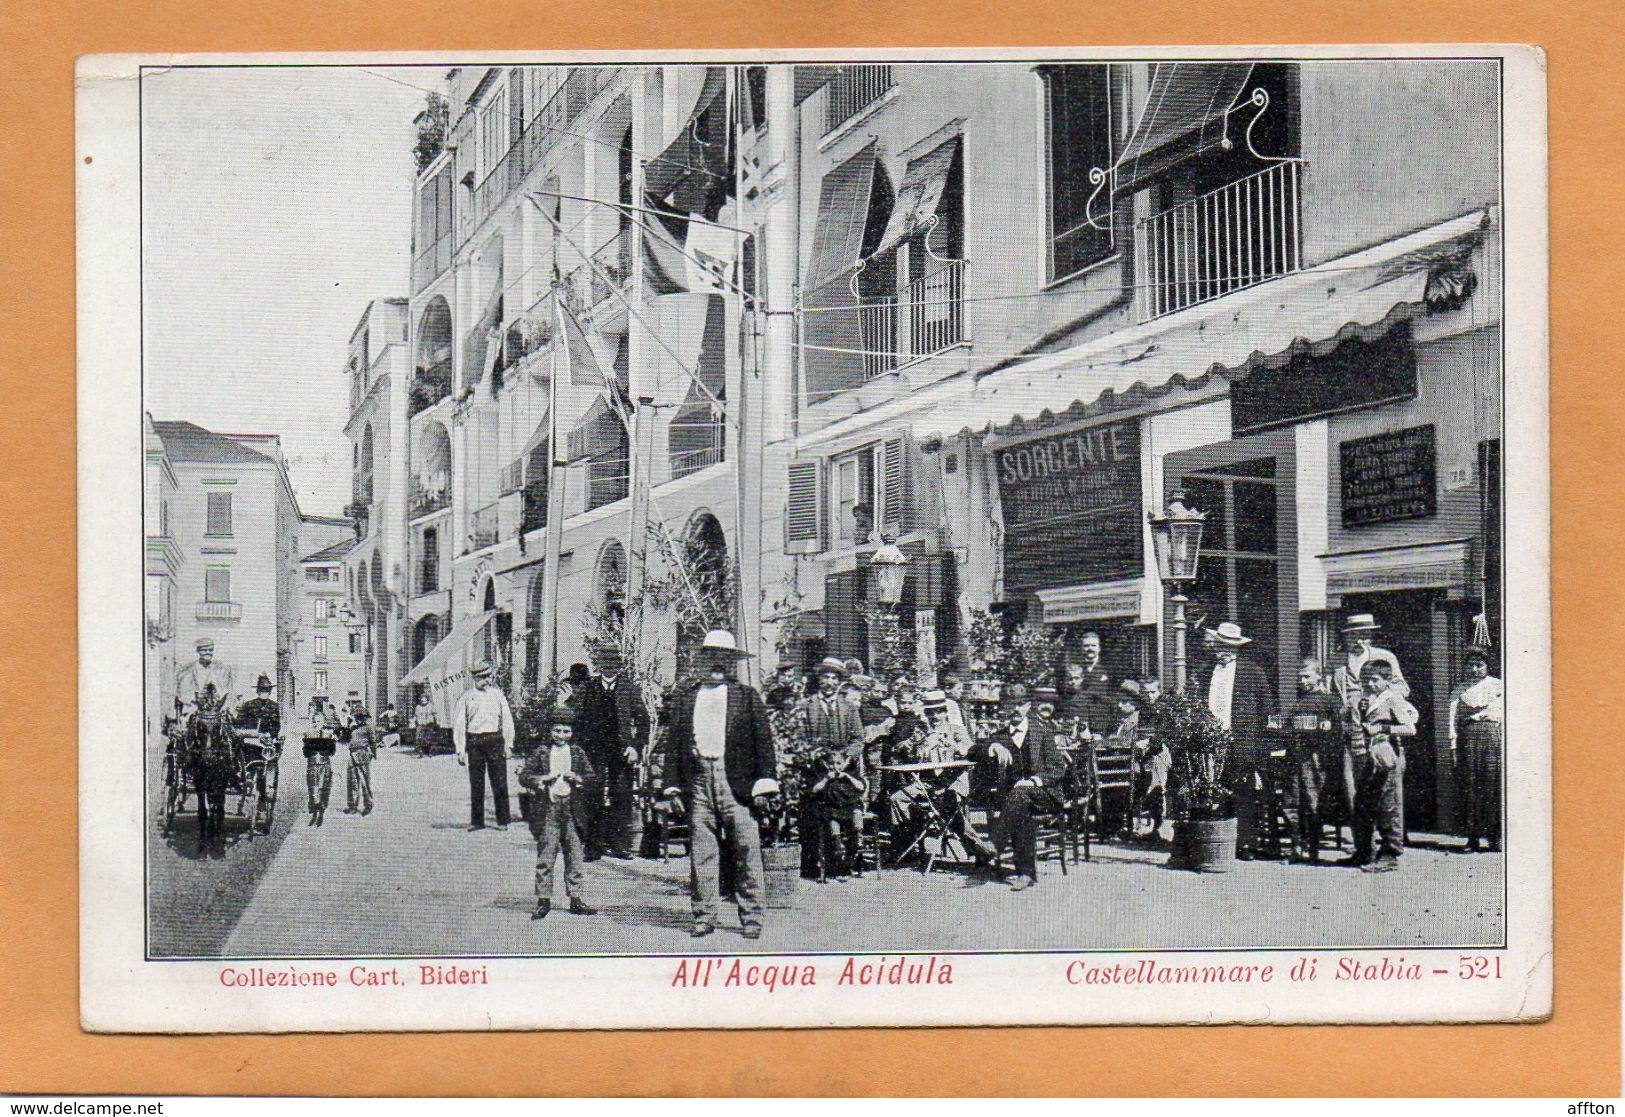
{"x":498,"y":636}
{"x":432,"y":368}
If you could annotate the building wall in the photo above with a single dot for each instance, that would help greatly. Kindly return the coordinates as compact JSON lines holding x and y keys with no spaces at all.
{"x":346,"y":669}
{"x":1394,"y":146}
{"x":163,"y":562}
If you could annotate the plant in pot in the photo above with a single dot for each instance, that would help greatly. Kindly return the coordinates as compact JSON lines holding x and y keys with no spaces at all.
{"x":1204,"y":808}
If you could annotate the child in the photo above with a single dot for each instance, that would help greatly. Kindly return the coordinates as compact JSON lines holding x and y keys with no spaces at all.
{"x":556,"y":774}
{"x":1378,"y":720}
{"x":363,"y":747}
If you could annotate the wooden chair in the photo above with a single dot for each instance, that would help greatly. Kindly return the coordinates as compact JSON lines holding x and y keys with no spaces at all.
{"x":1113,"y":776}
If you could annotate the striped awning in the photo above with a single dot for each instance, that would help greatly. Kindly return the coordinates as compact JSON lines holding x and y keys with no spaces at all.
{"x":689,"y":91}
{"x":1184,"y":116}
{"x":843,"y":210}
{"x":920,"y":195}
{"x":1360,"y":295}
{"x":599,"y":432}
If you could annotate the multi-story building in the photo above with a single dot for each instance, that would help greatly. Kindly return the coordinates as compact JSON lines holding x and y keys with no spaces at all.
{"x":234,"y":522}
{"x":164,"y":562}
{"x":379,"y":375}
{"x":537,"y":220}
{"x":1036,"y":303}
{"x":330,"y":653}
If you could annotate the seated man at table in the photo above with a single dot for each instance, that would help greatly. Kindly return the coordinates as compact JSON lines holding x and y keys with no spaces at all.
{"x":909,"y":807}
{"x":1028,"y":752}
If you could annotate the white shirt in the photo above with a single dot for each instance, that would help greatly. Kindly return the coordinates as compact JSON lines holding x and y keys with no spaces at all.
{"x":482,"y":710}
{"x":711,"y":720}
{"x":1221,"y":689}
{"x":956,"y":716}
{"x":558,"y":766}
{"x":1019,"y":734}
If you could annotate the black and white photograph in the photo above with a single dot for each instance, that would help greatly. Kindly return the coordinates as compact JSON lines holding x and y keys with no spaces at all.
{"x":641,"y":540}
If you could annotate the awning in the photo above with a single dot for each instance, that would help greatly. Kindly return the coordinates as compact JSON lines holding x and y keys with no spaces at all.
{"x":865,"y":426}
{"x":920,"y":194}
{"x":1362,"y":294}
{"x":810,"y":79}
{"x":1184,"y":116}
{"x":599,"y":432}
{"x":438,"y":663}
{"x":688,"y":92}
{"x":843,"y":210}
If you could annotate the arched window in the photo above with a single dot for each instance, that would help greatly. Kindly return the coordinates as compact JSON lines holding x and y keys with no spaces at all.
{"x":697,"y":437}
{"x":609,"y":579}
{"x":431,"y":470}
{"x":431,"y":378}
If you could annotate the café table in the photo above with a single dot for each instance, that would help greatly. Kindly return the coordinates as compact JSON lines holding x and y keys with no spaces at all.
{"x":937,"y":824}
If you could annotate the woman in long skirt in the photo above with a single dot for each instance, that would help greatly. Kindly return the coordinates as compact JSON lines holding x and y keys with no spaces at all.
{"x":1477,"y":707}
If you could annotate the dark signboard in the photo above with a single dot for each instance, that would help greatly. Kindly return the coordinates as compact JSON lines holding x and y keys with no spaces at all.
{"x":1071,"y":505}
{"x":1389,"y":477}
{"x":1354,"y":374}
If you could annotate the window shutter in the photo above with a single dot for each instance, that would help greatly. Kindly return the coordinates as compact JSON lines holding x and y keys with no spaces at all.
{"x":804,"y":516}
{"x":894,"y":514}
{"x":219,"y":520}
{"x":217,"y":584}
{"x":924,"y":491}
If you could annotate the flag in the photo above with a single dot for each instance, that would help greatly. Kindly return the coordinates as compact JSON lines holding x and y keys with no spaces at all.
{"x":586,"y":370}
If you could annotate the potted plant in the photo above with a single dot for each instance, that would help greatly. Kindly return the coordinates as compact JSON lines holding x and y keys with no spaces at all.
{"x":1204,"y":808}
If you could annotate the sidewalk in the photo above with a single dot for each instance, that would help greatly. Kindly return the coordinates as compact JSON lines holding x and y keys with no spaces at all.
{"x":410,"y":880}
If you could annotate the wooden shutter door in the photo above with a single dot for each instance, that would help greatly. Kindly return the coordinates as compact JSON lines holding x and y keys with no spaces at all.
{"x":804,"y":515}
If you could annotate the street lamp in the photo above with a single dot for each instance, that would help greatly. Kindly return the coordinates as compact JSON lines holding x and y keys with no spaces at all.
{"x":1177,"y":534}
{"x":889,"y":566}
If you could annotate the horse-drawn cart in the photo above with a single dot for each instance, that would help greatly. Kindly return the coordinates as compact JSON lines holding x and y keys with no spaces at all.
{"x":209,"y":761}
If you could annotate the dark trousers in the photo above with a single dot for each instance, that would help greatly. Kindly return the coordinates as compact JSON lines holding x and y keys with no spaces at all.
{"x":829,"y":830}
{"x":612,"y":829}
{"x":485,"y":757}
{"x":1309,"y":775}
{"x":1022,"y":808}
{"x":1478,"y":761}
{"x":358,"y":783}
{"x":1249,"y":782}
{"x":318,"y":778}
{"x":1379,"y":799}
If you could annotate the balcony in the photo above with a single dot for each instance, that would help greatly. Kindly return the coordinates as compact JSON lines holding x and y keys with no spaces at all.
{"x":431,"y":263}
{"x":929,"y":318}
{"x":423,"y":502}
{"x":614,"y":268}
{"x":513,"y":477}
{"x":1235,"y":237}
{"x":484,"y":527}
{"x":219,"y":611}
{"x":550,"y":124}
{"x":852,"y":90}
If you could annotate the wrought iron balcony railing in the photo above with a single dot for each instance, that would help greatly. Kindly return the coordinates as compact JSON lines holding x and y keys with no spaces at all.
{"x":219,"y":611}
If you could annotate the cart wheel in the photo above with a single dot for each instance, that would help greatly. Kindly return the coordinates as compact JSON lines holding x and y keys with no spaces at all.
{"x":249,"y":805}
{"x":171,"y":794}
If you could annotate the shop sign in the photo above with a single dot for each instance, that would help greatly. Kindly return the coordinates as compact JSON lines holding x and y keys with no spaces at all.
{"x":1071,"y":506}
{"x":1446,"y":565}
{"x":1389,"y":477}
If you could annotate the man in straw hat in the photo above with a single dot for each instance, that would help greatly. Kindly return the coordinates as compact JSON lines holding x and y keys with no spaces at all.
{"x":1241,"y":697}
{"x":482,"y":733}
{"x":720,"y":756}
{"x":1359,"y":631}
{"x":834,"y":732}
{"x":560,"y":774}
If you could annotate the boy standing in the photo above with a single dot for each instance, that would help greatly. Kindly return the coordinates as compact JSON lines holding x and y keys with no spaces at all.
{"x":556,"y":775}
{"x":1378,"y":720}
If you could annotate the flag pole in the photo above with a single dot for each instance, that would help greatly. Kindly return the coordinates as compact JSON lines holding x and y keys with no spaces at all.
{"x":553,"y":538}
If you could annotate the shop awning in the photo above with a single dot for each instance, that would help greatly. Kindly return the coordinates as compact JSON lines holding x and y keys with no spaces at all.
{"x":599,"y":432}
{"x":688,"y":92}
{"x":1360,"y":295}
{"x":843,"y":210}
{"x":920,"y":194}
{"x":438,"y":663}
{"x":1184,"y":116}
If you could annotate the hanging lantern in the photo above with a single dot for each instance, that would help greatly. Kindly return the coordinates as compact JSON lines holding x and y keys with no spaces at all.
{"x":888,"y":568}
{"x":1177,"y":534}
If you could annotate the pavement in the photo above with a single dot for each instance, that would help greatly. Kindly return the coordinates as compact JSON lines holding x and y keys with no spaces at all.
{"x":409,"y":879}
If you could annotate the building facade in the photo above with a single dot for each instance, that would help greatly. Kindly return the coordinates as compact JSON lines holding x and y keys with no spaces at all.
{"x":378,"y":373}
{"x":330,"y":651}
{"x":164,"y":561}
{"x":1037,"y":304}
{"x":234,"y":523}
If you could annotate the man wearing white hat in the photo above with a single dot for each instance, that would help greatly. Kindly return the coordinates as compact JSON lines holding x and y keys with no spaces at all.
{"x":1358,"y":632}
{"x":191,"y":679}
{"x":721,"y":757}
{"x":482,"y":733}
{"x":1240,"y":696}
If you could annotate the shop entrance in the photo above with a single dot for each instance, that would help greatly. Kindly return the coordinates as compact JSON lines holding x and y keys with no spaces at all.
{"x":1408,"y":619}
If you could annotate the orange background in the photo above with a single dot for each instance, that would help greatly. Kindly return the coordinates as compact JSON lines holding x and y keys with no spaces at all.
{"x":42,"y":1050}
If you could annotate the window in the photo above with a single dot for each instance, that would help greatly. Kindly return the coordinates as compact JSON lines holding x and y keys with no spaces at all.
{"x":1078,"y":139}
{"x":355,"y":642}
{"x":219,"y":520}
{"x":163,"y":518}
{"x":493,"y":128}
{"x":854,"y":497}
{"x":429,"y":562}
{"x":217,"y":584}
{"x":321,"y":647}
{"x":324,"y":609}
{"x":321,"y":682}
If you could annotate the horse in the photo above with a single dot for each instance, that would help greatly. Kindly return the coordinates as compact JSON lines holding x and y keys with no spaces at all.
{"x":212,"y":759}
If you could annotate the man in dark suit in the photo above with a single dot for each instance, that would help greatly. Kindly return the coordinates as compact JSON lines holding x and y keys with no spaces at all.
{"x":720,"y":756}
{"x":1037,"y":770}
{"x":617,"y":725}
{"x":1089,"y":698}
{"x":1241,"y":696}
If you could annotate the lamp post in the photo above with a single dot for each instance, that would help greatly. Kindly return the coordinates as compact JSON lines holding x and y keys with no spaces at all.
{"x":1177,"y":533}
{"x":889,"y":566}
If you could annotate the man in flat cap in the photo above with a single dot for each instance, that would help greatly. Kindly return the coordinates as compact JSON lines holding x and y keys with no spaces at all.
{"x":560,"y":776}
{"x":191,"y":679}
{"x":482,"y":732}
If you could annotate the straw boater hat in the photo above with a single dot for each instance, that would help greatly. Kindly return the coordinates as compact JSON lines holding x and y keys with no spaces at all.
{"x":562,"y":715}
{"x":482,"y":669}
{"x":1361,"y":622}
{"x":934,"y":700}
{"x":1046,"y":694}
{"x":832,"y":666}
{"x":203,"y":642}
{"x":1228,"y":634}
{"x":719,"y":641}
{"x":1130,"y":688}
{"x":263,"y":682}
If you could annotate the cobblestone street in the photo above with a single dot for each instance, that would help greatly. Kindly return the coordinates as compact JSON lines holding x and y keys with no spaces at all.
{"x":409,"y":879}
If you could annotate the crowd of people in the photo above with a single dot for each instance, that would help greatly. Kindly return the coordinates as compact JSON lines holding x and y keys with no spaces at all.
{"x":863,"y":770}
